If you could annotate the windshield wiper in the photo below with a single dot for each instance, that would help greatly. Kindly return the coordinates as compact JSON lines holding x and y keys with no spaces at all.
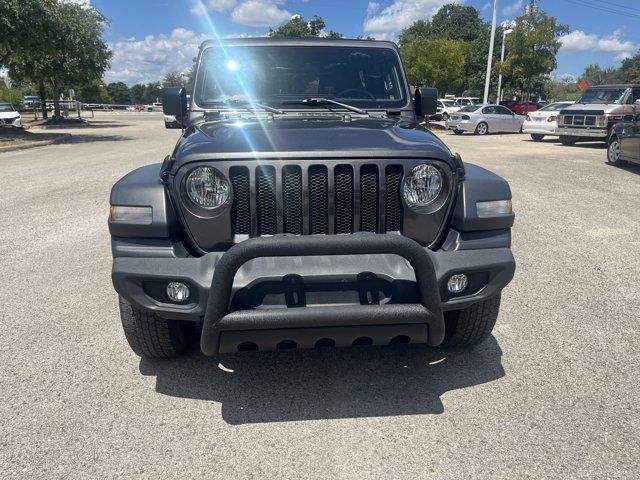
{"x":324,"y":101}
{"x":248,"y":104}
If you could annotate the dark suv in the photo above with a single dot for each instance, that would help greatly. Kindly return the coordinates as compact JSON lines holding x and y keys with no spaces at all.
{"x":304,"y":207}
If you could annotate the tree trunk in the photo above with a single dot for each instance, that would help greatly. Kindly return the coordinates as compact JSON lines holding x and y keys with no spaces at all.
{"x":43,"y":99}
{"x":56,"y":99}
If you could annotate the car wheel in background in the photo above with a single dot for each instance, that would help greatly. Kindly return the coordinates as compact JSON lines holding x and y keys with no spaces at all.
{"x":458,"y":132}
{"x":482,"y":129}
{"x":613,"y":151}
{"x":445,"y":116}
{"x":566,"y":140}
{"x":536,"y":137}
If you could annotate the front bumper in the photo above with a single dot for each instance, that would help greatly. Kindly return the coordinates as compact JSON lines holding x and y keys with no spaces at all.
{"x":583,"y":132}
{"x":381,"y":286}
{"x":11,"y":122}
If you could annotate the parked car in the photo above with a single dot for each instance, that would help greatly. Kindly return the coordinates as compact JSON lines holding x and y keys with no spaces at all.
{"x":462,"y":101}
{"x":483,"y":119}
{"x":280,"y":221}
{"x":31,"y":101}
{"x":519,"y":108}
{"x":624,"y":142}
{"x":171,"y":122}
{"x":9,"y":117}
{"x":444,"y":109}
{"x":544,"y":121}
{"x":599,"y":108}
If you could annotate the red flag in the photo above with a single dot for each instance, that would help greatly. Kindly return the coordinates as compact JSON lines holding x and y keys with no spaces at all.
{"x":582,"y":86}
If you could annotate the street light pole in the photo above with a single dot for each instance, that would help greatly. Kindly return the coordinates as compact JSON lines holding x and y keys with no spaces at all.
{"x":504,"y":36}
{"x":490,"y":58}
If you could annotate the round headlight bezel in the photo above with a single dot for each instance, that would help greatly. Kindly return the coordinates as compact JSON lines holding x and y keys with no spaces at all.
{"x":434,"y":203}
{"x":201,"y":208}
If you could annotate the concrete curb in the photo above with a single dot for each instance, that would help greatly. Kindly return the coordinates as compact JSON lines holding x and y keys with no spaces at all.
{"x":23,"y":146}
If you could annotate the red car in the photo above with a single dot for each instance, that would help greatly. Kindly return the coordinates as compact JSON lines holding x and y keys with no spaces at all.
{"x":519,"y":108}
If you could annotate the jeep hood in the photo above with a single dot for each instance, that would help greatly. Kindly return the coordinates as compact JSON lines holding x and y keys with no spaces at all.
{"x":308,"y":138}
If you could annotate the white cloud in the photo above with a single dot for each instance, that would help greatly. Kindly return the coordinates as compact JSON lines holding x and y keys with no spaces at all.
{"x":563,"y":77}
{"x":485,"y":7}
{"x":513,"y":9}
{"x":254,"y":13}
{"x":259,"y":13}
{"x":147,"y":60}
{"x":388,"y":22}
{"x":579,"y":41}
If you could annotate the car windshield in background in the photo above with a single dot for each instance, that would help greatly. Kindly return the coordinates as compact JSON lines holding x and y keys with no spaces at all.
{"x":449,"y":103}
{"x":469,"y":108}
{"x":272,"y":75}
{"x":614,"y":95}
{"x":554,"y":107}
{"x":5,"y":107}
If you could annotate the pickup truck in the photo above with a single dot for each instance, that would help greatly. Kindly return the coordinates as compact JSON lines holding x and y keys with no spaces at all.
{"x":599,"y":108}
{"x":304,"y":207}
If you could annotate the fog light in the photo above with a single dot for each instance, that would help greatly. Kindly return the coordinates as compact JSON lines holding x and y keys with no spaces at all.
{"x":177,"y":292}
{"x":457,"y":283}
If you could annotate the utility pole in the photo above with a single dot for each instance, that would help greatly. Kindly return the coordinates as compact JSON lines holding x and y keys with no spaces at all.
{"x":504,"y":36}
{"x":490,"y":57}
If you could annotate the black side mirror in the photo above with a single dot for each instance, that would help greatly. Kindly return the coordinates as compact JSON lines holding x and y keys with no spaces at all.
{"x":426,"y":102}
{"x":174,"y":102}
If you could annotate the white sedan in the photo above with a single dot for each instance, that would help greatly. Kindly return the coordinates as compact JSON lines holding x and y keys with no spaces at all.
{"x":483,"y":119}
{"x":445,"y":108}
{"x":544,"y":121}
{"x":9,"y":116}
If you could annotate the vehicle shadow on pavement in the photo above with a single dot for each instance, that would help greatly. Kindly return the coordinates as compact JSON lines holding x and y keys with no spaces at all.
{"x":627,"y":166}
{"x":256,"y":387}
{"x":87,"y":138}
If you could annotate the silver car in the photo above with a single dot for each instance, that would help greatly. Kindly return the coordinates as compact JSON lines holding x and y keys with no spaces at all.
{"x":483,"y":119}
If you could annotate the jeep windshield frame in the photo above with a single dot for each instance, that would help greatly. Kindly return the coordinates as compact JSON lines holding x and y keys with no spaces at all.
{"x":280,"y":74}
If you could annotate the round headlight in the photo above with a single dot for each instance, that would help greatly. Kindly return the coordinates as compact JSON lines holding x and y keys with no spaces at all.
{"x":422,"y":186}
{"x":207,"y":188}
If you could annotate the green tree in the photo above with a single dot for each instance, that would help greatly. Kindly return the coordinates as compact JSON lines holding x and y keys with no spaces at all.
{"x":137,"y":93}
{"x":630,"y":69}
{"x":596,"y":75}
{"x":119,"y":92}
{"x":298,"y":27}
{"x":434,"y":62}
{"x":94,"y":92}
{"x":174,"y":79}
{"x":62,"y":45}
{"x":532,"y":49}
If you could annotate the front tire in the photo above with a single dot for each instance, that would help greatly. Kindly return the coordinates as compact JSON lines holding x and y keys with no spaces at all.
{"x":613,"y":151}
{"x":150,"y":336}
{"x":536,"y":137}
{"x":482,"y":129}
{"x":471,"y":325}
{"x":445,"y":116}
{"x":567,"y":141}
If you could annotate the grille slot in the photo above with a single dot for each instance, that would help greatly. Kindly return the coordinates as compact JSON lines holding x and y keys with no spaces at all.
{"x":241,"y":208}
{"x":393,"y":205}
{"x":369,"y":202}
{"x":266,"y":195}
{"x":292,"y":199}
{"x":318,"y":200}
{"x":344,"y":198}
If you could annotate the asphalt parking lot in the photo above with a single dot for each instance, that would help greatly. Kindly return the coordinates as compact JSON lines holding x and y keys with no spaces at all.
{"x":553,"y":394}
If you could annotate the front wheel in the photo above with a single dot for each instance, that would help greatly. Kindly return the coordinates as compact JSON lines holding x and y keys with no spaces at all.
{"x":445,"y":116}
{"x":567,"y":141}
{"x":472,"y":325}
{"x":536,"y":137}
{"x":482,"y":129}
{"x":613,"y":151}
{"x":150,"y":336}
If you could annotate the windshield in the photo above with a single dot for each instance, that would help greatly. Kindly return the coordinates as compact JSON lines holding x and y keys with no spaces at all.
{"x":554,"y":107}
{"x":614,"y":95}
{"x":469,"y":108}
{"x":5,"y":107}
{"x":364,"y":77}
{"x":449,"y":103}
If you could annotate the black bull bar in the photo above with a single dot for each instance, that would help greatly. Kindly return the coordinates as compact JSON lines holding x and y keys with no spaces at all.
{"x":217,"y":318}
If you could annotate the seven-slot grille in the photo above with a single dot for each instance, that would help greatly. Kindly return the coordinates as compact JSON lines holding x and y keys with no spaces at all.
{"x":316,"y":199}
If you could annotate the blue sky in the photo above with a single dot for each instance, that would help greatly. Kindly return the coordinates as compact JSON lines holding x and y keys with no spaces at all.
{"x":150,"y":37}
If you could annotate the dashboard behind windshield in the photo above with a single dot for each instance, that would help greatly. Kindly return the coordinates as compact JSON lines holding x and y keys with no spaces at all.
{"x":366,"y":77}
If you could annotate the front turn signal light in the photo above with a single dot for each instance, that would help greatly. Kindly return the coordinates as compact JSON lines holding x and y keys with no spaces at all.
{"x":494,"y":208}
{"x":133,"y":215}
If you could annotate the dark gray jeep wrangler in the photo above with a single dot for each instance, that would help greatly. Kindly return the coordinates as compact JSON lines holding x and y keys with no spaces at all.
{"x":302,"y":207}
